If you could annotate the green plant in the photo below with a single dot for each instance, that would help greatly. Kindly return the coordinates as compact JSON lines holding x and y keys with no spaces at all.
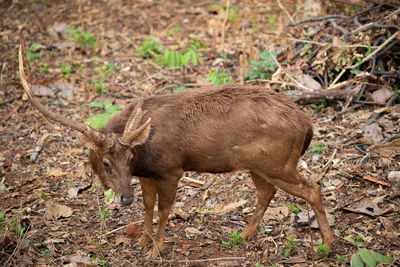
{"x":2,"y":221}
{"x":149,"y":48}
{"x":43,"y":195}
{"x":66,"y":69}
{"x":109,"y":196}
{"x":235,"y":240}
{"x":1,"y":101}
{"x":290,"y":246}
{"x":104,"y":72}
{"x":206,"y":209}
{"x":308,"y":50}
{"x":46,"y":253}
{"x":174,"y":59}
{"x":318,"y":149}
{"x":83,"y":38}
{"x":364,"y":256}
{"x":294,"y":208}
{"x":218,"y":78}
{"x":104,"y":213}
{"x":16,"y":227}
{"x":99,"y":261}
{"x":263,"y":68}
{"x":321,"y":104}
{"x":99,"y":120}
{"x":322,"y":251}
{"x":44,"y":68}
{"x":260,"y":265}
{"x":342,"y":259}
{"x":179,"y":89}
{"x":30,"y":55}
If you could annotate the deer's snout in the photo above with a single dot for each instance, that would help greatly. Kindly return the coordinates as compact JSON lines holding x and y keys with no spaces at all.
{"x":126,"y":200}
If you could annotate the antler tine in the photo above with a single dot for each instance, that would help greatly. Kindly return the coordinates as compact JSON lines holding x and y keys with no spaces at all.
{"x":133,"y":127}
{"x":97,"y":137}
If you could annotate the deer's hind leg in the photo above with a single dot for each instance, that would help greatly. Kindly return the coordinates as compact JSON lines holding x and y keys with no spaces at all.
{"x":295,"y":184}
{"x":265,"y":192}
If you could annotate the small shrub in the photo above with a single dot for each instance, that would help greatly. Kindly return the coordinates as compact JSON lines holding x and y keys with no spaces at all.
{"x":83,"y":38}
{"x":218,"y":78}
{"x":97,"y":121}
{"x":264,"y":67}
{"x":235,"y":240}
{"x":149,"y":48}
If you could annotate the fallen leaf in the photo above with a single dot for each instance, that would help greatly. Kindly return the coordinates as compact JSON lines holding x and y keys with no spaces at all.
{"x":373,"y":132}
{"x":303,"y":219}
{"x":277,"y":213}
{"x":190,"y":232}
{"x":42,"y":90}
{"x":56,"y":172}
{"x":133,"y":230}
{"x":122,"y":240}
{"x":387,"y":150}
{"x":375,"y":180}
{"x":365,"y":206}
{"x":382,"y":95}
{"x":180,"y":213}
{"x":223,"y":209}
{"x":55,"y":211}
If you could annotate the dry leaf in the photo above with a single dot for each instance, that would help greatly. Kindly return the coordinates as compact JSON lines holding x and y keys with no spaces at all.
{"x":133,"y":230}
{"x":387,"y":150}
{"x":382,"y":95}
{"x":55,"y":211}
{"x":223,"y":209}
{"x":56,"y":172}
{"x":375,"y":180}
{"x":122,"y":240}
{"x":373,"y":132}
{"x":190,"y":232}
{"x":365,"y":206}
{"x":277,"y":213}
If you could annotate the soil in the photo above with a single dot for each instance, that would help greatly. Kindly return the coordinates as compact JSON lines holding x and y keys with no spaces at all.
{"x":43,"y":163}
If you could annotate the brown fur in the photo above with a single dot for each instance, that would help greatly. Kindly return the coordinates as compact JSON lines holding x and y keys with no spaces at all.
{"x":213,"y":129}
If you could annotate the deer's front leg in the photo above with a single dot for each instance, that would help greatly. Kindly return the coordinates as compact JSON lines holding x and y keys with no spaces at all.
{"x":166,"y":189}
{"x":149,"y":190}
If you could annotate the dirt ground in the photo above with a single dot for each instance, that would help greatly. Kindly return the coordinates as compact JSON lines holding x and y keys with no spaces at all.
{"x":53,"y":212}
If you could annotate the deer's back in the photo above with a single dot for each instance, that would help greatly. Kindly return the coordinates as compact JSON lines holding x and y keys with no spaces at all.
{"x":221,"y":129}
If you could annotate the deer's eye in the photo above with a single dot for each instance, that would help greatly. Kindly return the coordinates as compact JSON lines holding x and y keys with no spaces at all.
{"x":107,"y":167}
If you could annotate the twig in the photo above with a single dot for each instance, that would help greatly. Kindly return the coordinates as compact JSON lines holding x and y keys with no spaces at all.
{"x":318,"y":19}
{"x":285,"y":10}
{"x":202,"y":260}
{"x":119,"y":228}
{"x":365,"y":59}
{"x":22,"y":43}
{"x":224,"y":24}
{"x":340,"y":28}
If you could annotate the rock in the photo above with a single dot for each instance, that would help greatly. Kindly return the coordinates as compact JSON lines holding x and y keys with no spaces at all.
{"x":394,"y":177}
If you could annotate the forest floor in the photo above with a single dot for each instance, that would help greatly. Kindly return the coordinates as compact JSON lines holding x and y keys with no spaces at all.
{"x":52,"y":210}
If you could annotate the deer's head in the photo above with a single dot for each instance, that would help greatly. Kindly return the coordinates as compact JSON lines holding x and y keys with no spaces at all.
{"x":110,"y":154}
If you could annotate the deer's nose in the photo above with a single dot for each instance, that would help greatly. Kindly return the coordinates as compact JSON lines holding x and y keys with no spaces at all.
{"x":126,"y":200}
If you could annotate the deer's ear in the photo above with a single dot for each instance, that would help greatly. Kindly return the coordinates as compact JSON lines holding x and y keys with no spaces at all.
{"x":142,"y":137}
{"x":87,"y":142}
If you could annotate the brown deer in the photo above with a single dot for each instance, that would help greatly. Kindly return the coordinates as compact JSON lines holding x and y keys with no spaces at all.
{"x":210,"y":129}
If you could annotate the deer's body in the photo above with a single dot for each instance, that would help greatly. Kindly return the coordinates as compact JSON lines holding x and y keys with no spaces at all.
{"x":210,"y":129}
{"x":220,"y":129}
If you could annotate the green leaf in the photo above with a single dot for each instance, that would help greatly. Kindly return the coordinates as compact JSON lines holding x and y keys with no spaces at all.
{"x":99,"y":120}
{"x":381,"y":258}
{"x":186,"y":58}
{"x":367,"y":257}
{"x":95,"y":105}
{"x":194,"y":56}
{"x":109,"y":196}
{"x":95,"y":58}
{"x":341,"y":258}
{"x":356,"y":261}
{"x":350,"y":240}
{"x":165,"y":58}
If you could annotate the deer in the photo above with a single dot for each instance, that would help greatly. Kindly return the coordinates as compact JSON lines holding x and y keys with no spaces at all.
{"x":213,"y":129}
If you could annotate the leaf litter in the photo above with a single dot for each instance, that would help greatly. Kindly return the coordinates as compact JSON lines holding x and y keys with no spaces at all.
{"x":46,"y":186}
